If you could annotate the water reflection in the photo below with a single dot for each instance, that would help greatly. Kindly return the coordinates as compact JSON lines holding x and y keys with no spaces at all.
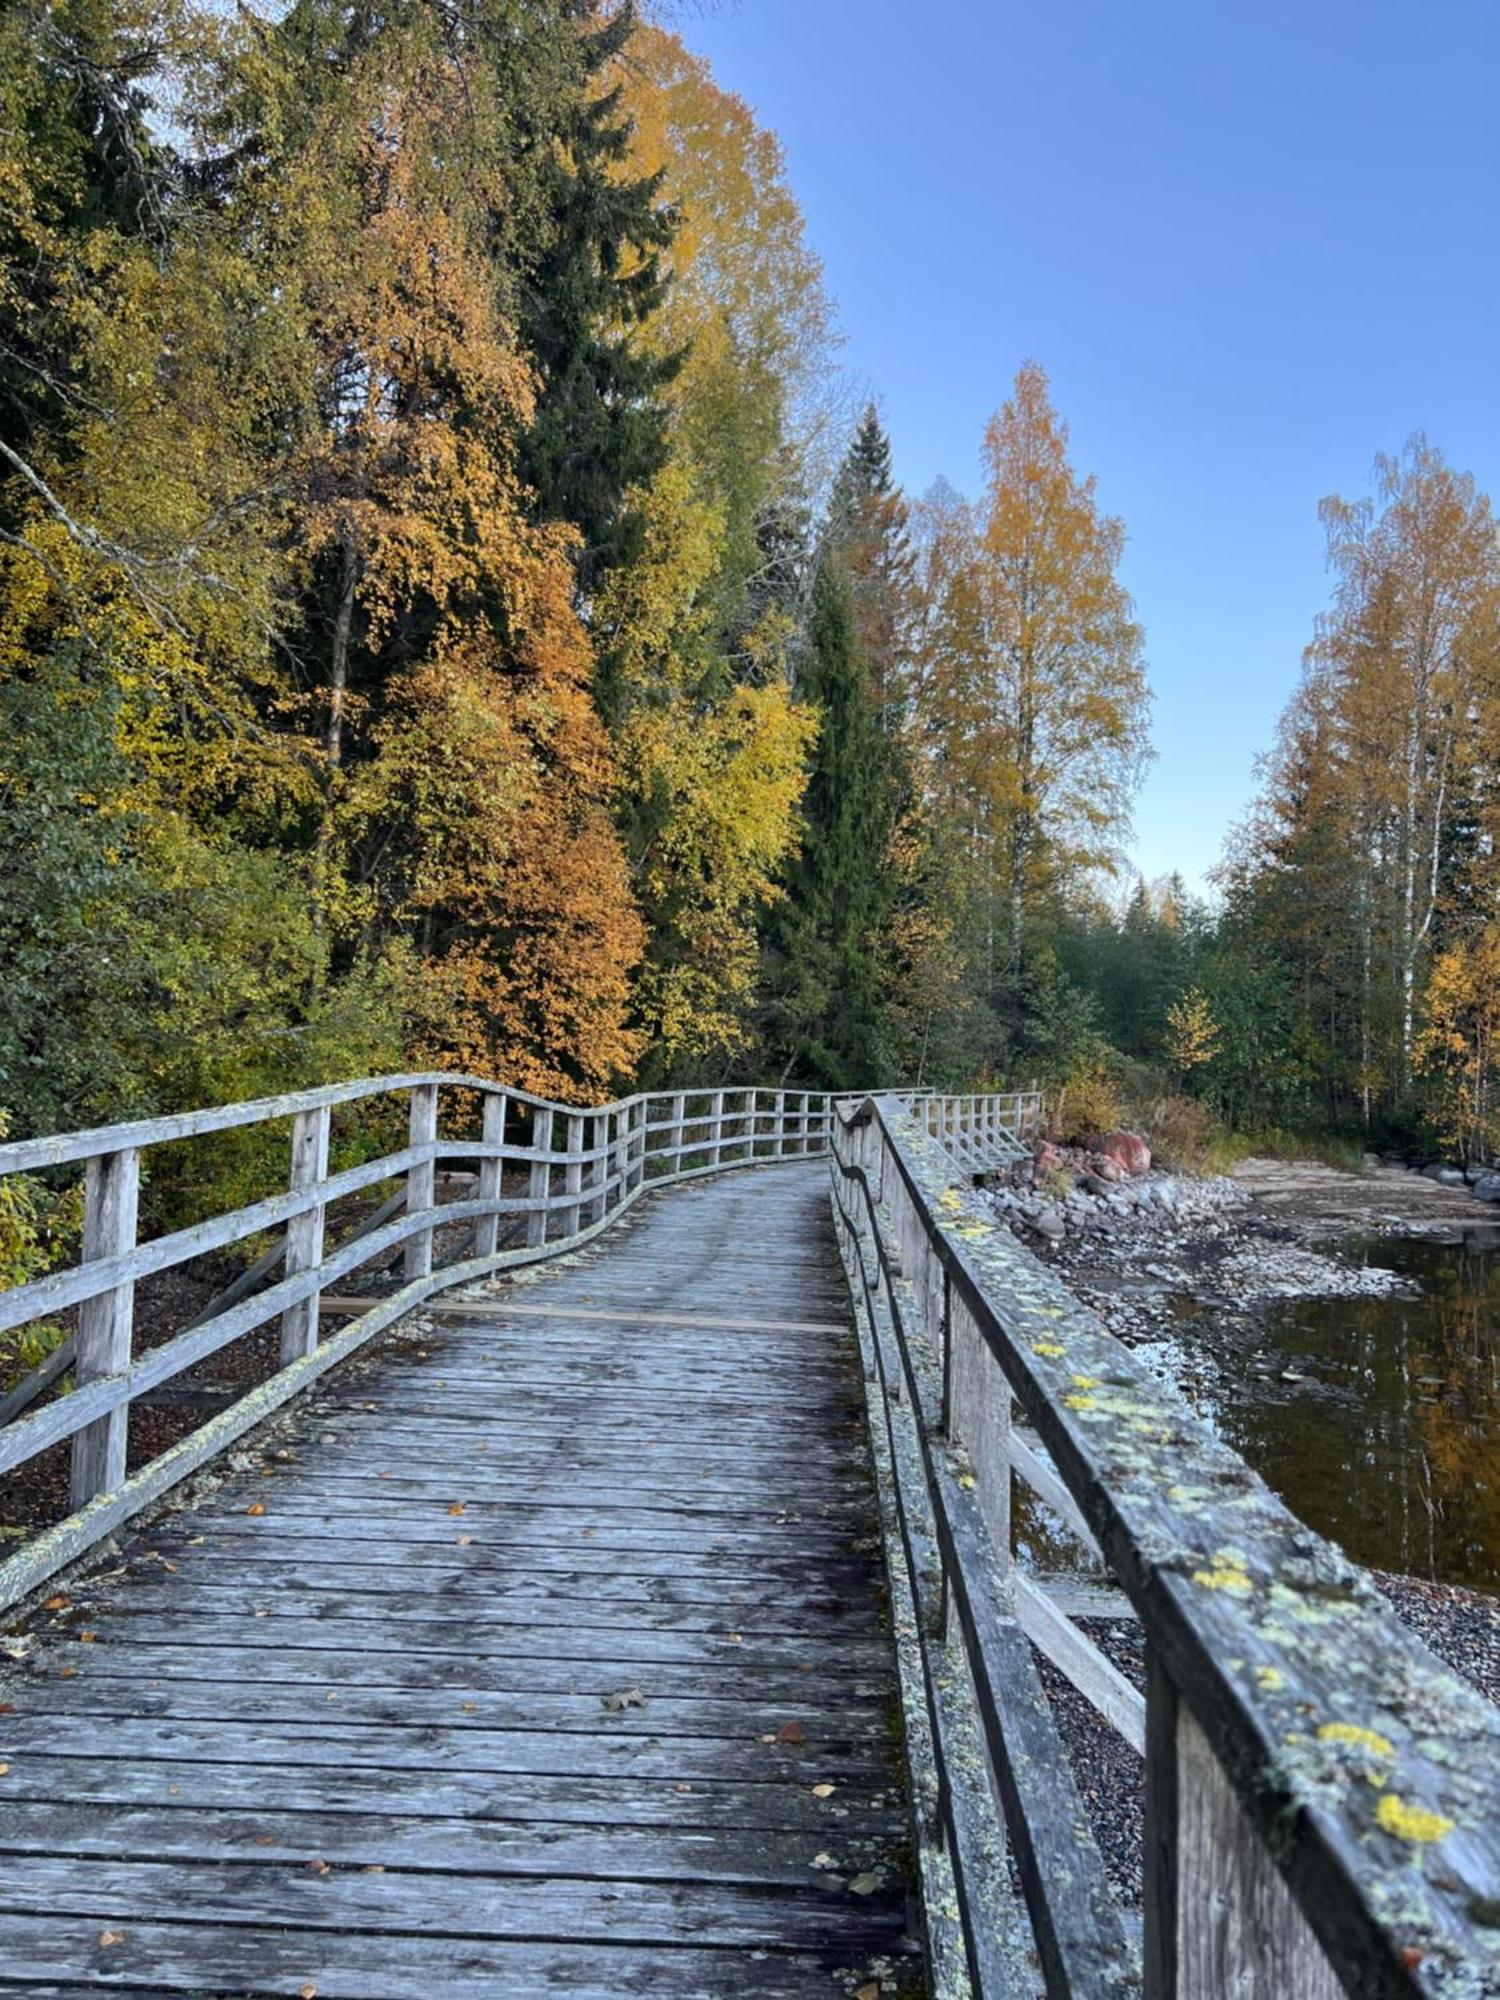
{"x":1390,"y":1440}
{"x":1376,"y":1420}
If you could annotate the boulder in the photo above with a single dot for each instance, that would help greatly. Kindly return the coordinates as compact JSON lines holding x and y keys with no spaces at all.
{"x":1445,"y":1176}
{"x":1048,"y":1222}
{"x":1129,"y":1152}
{"x":1487,"y":1187}
{"x":1045,"y":1159}
{"x":1104,"y":1168}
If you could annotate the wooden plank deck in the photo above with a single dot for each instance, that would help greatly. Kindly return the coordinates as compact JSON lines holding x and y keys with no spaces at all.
{"x":538,"y":1652}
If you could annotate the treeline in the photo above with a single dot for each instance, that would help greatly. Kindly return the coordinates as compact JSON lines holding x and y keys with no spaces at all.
{"x":448,"y":615}
{"x":1355,"y":978}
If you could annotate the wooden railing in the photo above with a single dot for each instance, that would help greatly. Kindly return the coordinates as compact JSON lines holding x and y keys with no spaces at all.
{"x":1322,"y":1795}
{"x":555,"y":1174}
{"x":982,"y":1132}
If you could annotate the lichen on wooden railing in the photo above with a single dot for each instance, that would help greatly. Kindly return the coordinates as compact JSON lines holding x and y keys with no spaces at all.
{"x":1322,"y":1793}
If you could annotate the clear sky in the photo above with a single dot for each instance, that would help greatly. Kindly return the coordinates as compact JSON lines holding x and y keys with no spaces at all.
{"x":1253,"y":242}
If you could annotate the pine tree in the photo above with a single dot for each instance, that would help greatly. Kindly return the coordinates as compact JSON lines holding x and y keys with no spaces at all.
{"x":600,"y":427}
{"x":871,"y":520}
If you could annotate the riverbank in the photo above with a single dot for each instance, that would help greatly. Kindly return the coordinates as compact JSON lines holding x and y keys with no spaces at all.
{"x":1340,"y":1330}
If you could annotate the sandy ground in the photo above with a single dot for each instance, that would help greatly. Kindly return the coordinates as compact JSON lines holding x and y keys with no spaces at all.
{"x":1392,"y":1201}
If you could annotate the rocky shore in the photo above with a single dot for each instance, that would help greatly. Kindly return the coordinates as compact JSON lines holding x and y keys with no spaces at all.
{"x":1183,"y":1269}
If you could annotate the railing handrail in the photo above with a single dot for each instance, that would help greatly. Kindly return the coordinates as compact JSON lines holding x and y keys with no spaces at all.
{"x":1346,"y":1751}
{"x":610,"y":1153}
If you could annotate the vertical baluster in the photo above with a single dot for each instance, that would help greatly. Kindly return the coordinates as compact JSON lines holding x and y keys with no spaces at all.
{"x":110,"y":1203}
{"x":577,"y":1128}
{"x":539,"y":1188}
{"x":491,"y":1173}
{"x":1219,"y":1917}
{"x":421,"y":1179}
{"x":304,"y":1233}
{"x":716,"y":1115}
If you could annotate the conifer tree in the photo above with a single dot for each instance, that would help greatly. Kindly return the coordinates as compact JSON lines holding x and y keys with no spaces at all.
{"x":599,"y":433}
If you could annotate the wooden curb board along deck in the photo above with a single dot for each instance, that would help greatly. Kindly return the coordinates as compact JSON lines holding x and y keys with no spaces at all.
{"x":462,"y":1681}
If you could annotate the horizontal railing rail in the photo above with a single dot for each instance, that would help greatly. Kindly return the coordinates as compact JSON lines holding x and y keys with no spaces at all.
{"x":556,"y":1174}
{"x":1322,"y":1794}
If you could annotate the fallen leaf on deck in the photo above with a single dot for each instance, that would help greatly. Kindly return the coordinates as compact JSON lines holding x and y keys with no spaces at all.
{"x":57,"y":1604}
{"x":822,"y":1791}
{"x":870,"y":1992}
{"x":866,"y":1884}
{"x":259,"y":1507}
{"x":111,"y":1937}
{"x":87,"y":1638}
{"x":4,"y":1770}
{"x":307,"y":1992}
{"x":464,"y":1541}
{"x":625,"y":1698}
{"x":458,"y":1507}
{"x":318,"y":1868}
{"x":791,"y":1732}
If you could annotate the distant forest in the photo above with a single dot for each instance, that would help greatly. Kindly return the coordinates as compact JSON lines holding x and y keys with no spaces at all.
{"x":453,"y":613}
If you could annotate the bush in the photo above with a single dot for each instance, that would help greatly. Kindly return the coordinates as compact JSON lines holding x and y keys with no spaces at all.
{"x":1181,"y":1131}
{"x":1088,"y":1104}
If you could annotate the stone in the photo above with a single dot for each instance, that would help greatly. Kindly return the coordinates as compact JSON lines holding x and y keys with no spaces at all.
{"x":1487,"y":1187}
{"x":1048,"y":1222}
{"x":1445,"y":1176}
{"x":1046,"y":1159}
{"x":1129,"y":1152}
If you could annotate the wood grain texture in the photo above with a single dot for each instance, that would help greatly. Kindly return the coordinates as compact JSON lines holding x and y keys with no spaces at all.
{"x":516,"y":1661}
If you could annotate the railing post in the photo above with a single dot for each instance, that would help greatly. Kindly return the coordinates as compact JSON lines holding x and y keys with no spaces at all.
{"x":573,"y":1174}
{"x":421,"y":1179}
{"x":304,"y":1233}
{"x":1219,"y":1918}
{"x":111,"y":1200}
{"x":778,"y":1115}
{"x":716,"y":1114}
{"x":491,"y":1173}
{"x":539,"y":1187}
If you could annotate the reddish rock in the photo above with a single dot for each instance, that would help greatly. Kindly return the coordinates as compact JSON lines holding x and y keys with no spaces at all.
{"x":1046,"y":1159}
{"x":1103,"y":1168}
{"x":1129,"y":1152}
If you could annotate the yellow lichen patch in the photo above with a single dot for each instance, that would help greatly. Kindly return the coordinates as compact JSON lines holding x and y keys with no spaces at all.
{"x":1085,"y":1381}
{"x":949,"y":1198}
{"x":1048,"y":1349}
{"x":1270,"y":1680}
{"x":1079,"y":1402}
{"x":1362,"y":1739}
{"x":1228,"y":1574}
{"x":1413,"y":1823}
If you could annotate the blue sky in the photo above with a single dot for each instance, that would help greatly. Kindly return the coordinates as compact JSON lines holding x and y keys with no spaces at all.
{"x":1252,"y":243}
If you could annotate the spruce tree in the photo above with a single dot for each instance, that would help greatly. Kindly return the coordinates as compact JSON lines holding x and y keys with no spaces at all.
{"x":600,"y":426}
{"x":826,"y":1019}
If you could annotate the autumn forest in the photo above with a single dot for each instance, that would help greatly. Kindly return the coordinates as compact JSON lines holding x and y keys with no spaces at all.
{"x":456,"y":611}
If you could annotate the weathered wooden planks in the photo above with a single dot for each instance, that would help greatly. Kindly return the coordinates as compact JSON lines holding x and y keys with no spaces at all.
{"x":463,"y":1682}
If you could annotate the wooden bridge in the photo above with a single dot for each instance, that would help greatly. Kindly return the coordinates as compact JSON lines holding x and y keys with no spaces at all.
{"x":619,"y":1598}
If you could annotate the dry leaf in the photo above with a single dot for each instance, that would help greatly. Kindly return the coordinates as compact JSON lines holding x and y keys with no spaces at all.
{"x":457,"y":1507}
{"x":822,"y":1791}
{"x":318,"y":1868}
{"x":866,"y":1884}
{"x":111,"y":1937}
{"x":258,"y":1507}
{"x":307,"y":1991}
{"x":4,"y":1770}
{"x":66,"y":1673}
{"x":791,"y":1732}
{"x":869,"y":1992}
{"x":734,"y":1639}
{"x":626,"y":1698}
{"x":464,"y":1541}
{"x":87,"y":1638}
{"x":57,"y":1603}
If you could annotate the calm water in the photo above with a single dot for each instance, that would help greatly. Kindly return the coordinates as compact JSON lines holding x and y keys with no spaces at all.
{"x":1390,"y":1442}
